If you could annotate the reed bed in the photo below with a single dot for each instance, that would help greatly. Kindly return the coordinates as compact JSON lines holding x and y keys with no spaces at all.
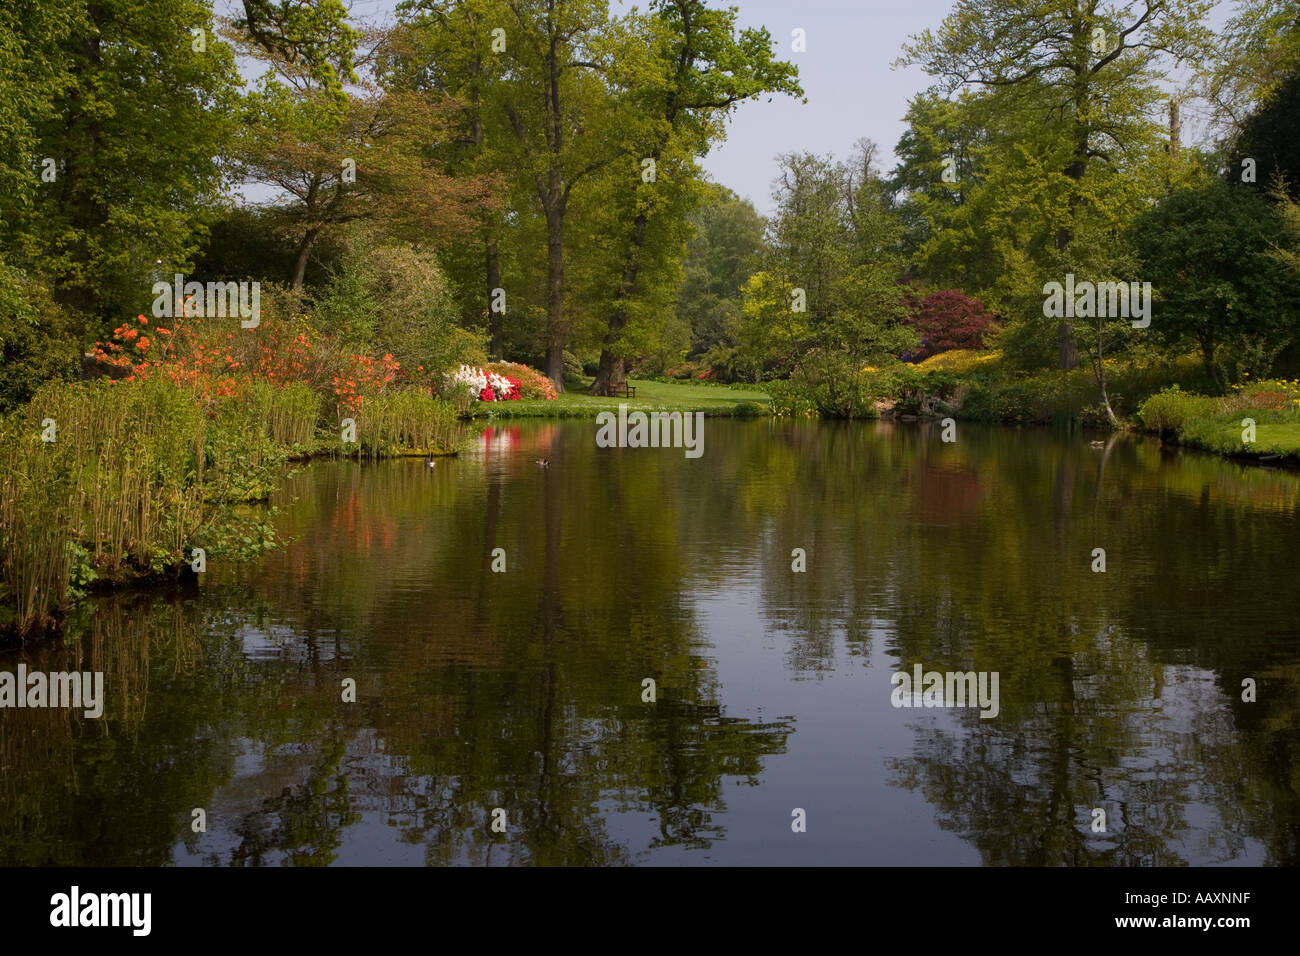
{"x":406,"y":421}
{"x":139,"y":473}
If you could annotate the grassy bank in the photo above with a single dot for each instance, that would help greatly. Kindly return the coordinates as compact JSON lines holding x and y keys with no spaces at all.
{"x":1161,"y":396}
{"x":1253,"y":421}
{"x":650,"y":396}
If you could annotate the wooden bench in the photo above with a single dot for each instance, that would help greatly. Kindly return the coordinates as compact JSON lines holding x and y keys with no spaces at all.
{"x":622,"y":390}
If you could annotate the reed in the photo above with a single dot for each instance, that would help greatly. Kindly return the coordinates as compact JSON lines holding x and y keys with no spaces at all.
{"x":137,"y":472}
{"x":406,"y":421}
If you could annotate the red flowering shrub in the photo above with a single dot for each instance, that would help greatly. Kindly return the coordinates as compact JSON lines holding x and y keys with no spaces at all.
{"x":529,"y":383}
{"x":947,"y":320}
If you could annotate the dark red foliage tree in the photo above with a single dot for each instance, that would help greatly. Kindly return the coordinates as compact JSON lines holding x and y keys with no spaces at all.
{"x":947,"y":319}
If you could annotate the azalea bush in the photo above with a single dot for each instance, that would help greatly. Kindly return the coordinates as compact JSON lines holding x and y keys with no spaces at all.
{"x":529,"y":382}
{"x":218,"y":356}
{"x":484,"y":384}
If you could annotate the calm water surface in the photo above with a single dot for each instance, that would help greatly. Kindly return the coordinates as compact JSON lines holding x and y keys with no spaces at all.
{"x":523,"y":690}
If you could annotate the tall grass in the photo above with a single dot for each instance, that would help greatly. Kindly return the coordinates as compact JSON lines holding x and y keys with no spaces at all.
{"x":141,"y":472}
{"x":287,"y":415}
{"x":117,"y":489}
{"x":138,"y":473}
{"x":406,"y":420}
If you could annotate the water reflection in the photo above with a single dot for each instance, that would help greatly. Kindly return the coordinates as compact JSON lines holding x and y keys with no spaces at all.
{"x":522,"y":690}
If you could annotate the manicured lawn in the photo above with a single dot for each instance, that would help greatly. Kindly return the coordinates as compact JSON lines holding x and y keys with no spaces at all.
{"x":667,"y":396}
{"x":1281,"y":438}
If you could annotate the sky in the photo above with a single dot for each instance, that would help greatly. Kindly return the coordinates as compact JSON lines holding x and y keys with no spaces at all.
{"x":851,"y":88}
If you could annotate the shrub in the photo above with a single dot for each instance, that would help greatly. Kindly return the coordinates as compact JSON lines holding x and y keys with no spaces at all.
{"x":1169,"y":411}
{"x":960,"y":361}
{"x":945,"y":320}
{"x":789,"y":400}
{"x":832,"y":384}
{"x":532,"y":384}
{"x":390,"y":298}
{"x":37,"y":340}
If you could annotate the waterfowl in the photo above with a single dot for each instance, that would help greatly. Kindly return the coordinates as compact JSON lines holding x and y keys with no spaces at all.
{"x":429,"y":462}
{"x":1097,"y":444}
{"x":544,"y":462}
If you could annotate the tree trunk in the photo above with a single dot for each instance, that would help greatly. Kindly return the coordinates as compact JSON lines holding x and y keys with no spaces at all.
{"x":79,"y":194}
{"x":1212,"y":367}
{"x":1101,"y":379}
{"x":555,"y":295}
{"x":496,"y":323}
{"x":1066,"y":346}
{"x":301,"y":256}
{"x":611,"y":363}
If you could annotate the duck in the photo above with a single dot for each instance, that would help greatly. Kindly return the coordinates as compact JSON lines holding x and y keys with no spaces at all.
{"x":1097,"y":444}
{"x":544,"y":462}
{"x":429,"y":462}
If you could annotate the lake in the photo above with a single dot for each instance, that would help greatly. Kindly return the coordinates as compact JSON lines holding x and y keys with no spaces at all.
{"x":526,"y":689}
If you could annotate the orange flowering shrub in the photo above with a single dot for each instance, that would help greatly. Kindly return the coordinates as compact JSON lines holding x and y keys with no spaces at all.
{"x":215,"y":359}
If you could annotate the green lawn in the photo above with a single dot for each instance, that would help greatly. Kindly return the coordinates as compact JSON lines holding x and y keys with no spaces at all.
{"x":665,"y":396}
{"x":1224,"y":437}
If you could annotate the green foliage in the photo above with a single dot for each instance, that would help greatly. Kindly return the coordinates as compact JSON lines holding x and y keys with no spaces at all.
{"x":1053,"y":152}
{"x":1256,"y":51}
{"x":749,"y":410}
{"x":315,"y":33}
{"x":391,"y":298}
{"x":727,"y":237}
{"x":37,"y":340}
{"x":1170,"y":410}
{"x":1268,"y":136}
{"x":830,"y":276}
{"x":139,"y":128}
{"x":1215,"y":422}
{"x":1206,"y":251}
{"x":33,"y":36}
{"x":830,"y":383}
{"x":138,"y":473}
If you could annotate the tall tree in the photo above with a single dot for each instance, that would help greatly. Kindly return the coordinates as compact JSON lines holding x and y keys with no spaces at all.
{"x":445,"y":49}
{"x":1268,"y":140}
{"x":720,"y":257}
{"x":1092,"y":64}
{"x":360,"y":155}
{"x":314,"y":34}
{"x":831,"y":268}
{"x":1207,"y":251}
{"x":559,"y":110}
{"x":705,"y":67}
{"x":1258,"y":48}
{"x":136,"y":132}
